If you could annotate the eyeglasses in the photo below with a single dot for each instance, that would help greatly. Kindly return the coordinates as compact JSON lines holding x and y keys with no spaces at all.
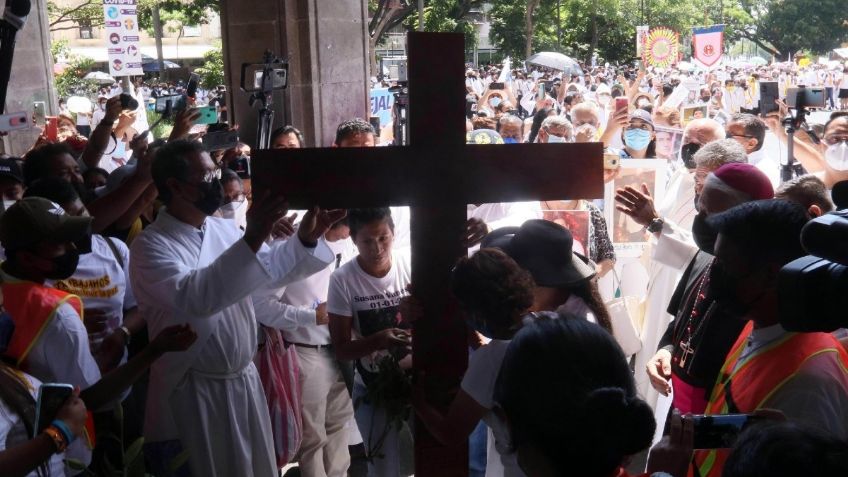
{"x":731,"y":136}
{"x":834,"y":140}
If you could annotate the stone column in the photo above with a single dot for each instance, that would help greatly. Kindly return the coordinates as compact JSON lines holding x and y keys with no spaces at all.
{"x":326,"y":45}
{"x":32,"y":76}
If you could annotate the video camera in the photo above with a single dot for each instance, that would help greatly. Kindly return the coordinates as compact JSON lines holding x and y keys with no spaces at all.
{"x":812,"y":289}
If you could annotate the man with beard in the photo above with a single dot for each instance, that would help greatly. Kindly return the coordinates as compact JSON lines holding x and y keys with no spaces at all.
{"x":696,"y":342}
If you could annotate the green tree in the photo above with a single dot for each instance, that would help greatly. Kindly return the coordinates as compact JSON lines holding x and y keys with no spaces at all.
{"x":90,"y":12}
{"x":782,"y":27}
{"x":69,"y":82}
{"x":448,"y":16}
{"x":212,"y":71}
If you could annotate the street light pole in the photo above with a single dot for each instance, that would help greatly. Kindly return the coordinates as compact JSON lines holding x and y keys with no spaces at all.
{"x":420,"y":15}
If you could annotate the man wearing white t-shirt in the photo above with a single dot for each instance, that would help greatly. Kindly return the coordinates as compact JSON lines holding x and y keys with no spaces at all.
{"x":362,"y":302}
{"x":101,"y":280}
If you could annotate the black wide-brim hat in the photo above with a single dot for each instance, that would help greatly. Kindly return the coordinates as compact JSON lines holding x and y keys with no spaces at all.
{"x":544,"y":249}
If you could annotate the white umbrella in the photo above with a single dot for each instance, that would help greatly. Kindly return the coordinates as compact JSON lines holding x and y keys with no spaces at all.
{"x":555,"y":61}
{"x":99,"y":77}
{"x":79,"y":104}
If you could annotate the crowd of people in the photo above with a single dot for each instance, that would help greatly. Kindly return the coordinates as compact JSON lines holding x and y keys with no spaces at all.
{"x":236,"y":336}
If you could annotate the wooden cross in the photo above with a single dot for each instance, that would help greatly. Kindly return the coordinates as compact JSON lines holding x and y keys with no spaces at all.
{"x":437,"y":175}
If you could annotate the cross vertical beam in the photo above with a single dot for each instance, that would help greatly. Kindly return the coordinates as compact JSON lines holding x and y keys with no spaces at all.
{"x":440,"y":350}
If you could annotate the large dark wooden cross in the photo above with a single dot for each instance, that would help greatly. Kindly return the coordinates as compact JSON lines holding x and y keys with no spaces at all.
{"x":437,"y":175}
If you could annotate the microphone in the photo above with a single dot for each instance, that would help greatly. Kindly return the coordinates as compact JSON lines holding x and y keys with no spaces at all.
{"x":16,"y":13}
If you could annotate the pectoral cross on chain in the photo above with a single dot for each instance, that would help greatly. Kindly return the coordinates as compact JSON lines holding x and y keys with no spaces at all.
{"x":687,"y":350}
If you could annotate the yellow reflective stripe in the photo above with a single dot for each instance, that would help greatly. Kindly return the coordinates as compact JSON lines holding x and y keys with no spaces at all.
{"x":762,"y":351}
{"x":88,"y":442}
{"x":780,"y":385}
{"x":44,"y":327}
{"x":709,"y":461}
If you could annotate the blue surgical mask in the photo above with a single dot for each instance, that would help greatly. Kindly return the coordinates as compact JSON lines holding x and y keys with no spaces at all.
{"x":495,"y":101}
{"x":637,"y":139}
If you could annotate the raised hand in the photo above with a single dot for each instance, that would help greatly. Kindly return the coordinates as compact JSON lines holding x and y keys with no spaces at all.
{"x":183,"y":122}
{"x":638,"y":205}
{"x":475,"y":231}
{"x":73,"y":413}
{"x":265,"y":212}
{"x":317,"y":222}
{"x":284,"y":228}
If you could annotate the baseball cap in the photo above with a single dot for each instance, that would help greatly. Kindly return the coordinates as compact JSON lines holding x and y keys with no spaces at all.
{"x":544,"y":249}
{"x":643,"y":115}
{"x":35,"y":219}
{"x":10,"y":168}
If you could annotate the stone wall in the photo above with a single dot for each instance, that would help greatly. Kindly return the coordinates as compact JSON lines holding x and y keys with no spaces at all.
{"x":32,"y":78}
{"x":326,"y":45}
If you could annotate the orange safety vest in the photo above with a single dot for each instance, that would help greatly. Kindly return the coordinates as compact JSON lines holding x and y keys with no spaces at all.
{"x":32,"y":306}
{"x":746,"y":387}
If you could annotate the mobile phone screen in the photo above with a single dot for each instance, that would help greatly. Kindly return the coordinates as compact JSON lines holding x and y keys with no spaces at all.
{"x":51,"y":397}
{"x":720,"y":431}
{"x":208,"y":115}
{"x":191,"y":88}
{"x":39,"y":109}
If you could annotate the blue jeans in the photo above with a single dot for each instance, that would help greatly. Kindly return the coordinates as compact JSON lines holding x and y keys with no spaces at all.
{"x":477,"y":447}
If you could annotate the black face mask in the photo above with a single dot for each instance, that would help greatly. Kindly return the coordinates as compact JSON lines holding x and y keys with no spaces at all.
{"x":212,"y":198}
{"x":64,"y":266}
{"x":687,"y":154}
{"x":704,"y":236}
{"x":722,"y":289}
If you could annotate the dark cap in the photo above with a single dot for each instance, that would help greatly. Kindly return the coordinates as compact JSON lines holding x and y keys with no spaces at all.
{"x":544,"y":249}
{"x":10,"y":168}
{"x":33,"y":220}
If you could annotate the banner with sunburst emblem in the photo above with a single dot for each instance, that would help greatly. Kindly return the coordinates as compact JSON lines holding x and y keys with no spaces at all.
{"x":707,"y":44}
{"x":662,"y":47}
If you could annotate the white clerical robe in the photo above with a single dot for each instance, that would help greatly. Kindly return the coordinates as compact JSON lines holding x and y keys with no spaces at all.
{"x":210,"y":396}
{"x":674,"y":248}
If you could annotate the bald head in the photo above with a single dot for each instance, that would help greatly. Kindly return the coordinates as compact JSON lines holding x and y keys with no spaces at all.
{"x":702,"y":131}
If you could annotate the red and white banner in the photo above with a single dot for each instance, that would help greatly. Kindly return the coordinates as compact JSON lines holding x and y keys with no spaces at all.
{"x":707,"y":44}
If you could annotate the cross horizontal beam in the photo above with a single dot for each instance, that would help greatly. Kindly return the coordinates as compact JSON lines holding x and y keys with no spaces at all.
{"x":419,"y":176}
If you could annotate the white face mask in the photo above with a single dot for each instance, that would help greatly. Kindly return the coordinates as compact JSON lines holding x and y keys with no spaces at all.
{"x":8,"y":203}
{"x":236,"y":211}
{"x":837,"y":156}
{"x":555,"y":139}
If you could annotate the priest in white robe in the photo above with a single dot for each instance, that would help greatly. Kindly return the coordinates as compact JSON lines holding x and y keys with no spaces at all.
{"x":189,"y":267}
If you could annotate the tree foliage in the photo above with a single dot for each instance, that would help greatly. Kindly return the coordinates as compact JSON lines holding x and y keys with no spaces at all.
{"x":791,"y":26}
{"x":90,"y":12}
{"x":447,"y":16}
{"x":608,"y":26}
{"x":212,"y":71}
{"x":69,"y":82}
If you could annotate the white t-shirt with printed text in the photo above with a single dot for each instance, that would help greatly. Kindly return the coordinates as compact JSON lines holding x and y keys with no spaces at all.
{"x":372,"y":302}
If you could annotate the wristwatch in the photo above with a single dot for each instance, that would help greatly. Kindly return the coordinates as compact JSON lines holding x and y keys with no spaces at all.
{"x":656,"y":225}
{"x":127,"y":334}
